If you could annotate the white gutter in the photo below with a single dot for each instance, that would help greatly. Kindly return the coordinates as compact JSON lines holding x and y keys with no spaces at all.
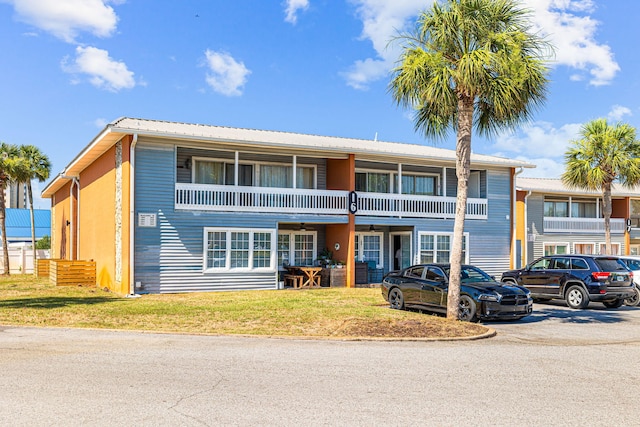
{"x":526,"y":229}
{"x":132,"y":213}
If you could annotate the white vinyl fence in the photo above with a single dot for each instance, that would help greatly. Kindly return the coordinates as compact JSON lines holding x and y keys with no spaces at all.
{"x":21,"y":259}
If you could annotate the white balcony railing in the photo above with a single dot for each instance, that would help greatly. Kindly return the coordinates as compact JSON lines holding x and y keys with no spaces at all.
{"x":259,"y":199}
{"x":406,"y":205}
{"x":206,"y":197}
{"x":582,"y":225}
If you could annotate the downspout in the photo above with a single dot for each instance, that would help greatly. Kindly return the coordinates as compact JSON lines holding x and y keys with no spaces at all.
{"x":513,"y":219}
{"x":526,"y":229}
{"x":132,"y":169}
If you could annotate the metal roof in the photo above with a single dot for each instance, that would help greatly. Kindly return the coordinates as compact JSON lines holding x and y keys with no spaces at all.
{"x":555,"y":186}
{"x":18,"y":223}
{"x":317,"y":144}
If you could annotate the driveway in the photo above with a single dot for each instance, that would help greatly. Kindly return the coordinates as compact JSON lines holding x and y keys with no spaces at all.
{"x":560,"y":367}
{"x":553,"y":323}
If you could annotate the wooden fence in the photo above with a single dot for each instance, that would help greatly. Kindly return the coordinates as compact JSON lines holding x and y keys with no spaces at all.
{"x":72,"y":273}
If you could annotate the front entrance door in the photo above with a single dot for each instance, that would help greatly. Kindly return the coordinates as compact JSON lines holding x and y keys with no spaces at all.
{"x":400,"y":250}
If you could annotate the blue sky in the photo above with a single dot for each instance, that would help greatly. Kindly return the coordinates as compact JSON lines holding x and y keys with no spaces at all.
{"x":309,"y":66}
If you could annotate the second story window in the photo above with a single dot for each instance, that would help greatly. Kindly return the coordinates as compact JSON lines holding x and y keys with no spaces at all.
{"x":373,"y":182}
{"x":556,"y":208}
{"x":583,"y":209}
{"x":209,"y":171}
{"x":423,"y":185}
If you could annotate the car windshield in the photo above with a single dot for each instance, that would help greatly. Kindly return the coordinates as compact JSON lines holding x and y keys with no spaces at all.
{"x":471,"y":274}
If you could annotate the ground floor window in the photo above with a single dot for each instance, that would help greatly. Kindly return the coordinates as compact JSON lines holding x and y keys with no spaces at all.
{"x":556,"y":248}
{"x":584,"y":248}
{"x":369,"y":248}
{"x":297,"y":247}
{"x":238,"y":249}
{"x":615,"y":248}
{"x":436,"y":247}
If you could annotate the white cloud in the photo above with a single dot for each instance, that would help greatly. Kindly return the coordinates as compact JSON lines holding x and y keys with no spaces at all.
{"x":618,"y":112}
{"x":100,"y":122}
{"x":382,"y":20}
{"x":540,"y":143}
{"x":65,"y":19}
{"x":103,"y":71}
{"x":227,"y":76}
{"x":292,"y":7}
{"x":545,"y":168}
{"x":537,"y":138}
{"x":567,"y":24}
{"x":572,"y":31}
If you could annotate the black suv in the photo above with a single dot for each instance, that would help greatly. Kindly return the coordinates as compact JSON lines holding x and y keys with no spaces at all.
{"x":577,"y":279}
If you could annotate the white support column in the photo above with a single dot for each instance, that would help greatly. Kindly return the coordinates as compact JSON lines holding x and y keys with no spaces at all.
{"x":295,"y":166}
{"x":444,"y":182}
{"x":236,"y":169}
{"x":399,"y":178}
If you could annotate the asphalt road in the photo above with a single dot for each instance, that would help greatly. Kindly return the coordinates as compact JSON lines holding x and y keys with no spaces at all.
{"x":559,"y":367}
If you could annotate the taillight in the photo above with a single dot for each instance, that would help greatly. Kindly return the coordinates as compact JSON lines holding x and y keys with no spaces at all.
{"x":601,"y":275}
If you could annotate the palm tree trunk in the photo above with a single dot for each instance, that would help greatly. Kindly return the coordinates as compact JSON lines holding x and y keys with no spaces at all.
{"x":463,"y":169}
{"x":3,"y":229}
{"x":606,"y":211}
{"x":33,"y":227}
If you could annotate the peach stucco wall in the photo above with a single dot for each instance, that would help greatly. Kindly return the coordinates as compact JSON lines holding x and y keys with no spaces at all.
{"x":100,"y":219}
{"x":341,"y":175}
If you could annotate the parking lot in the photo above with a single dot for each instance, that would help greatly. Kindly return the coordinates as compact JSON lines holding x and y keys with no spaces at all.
{"x":553,"y":323}
{"x":558,"y":367}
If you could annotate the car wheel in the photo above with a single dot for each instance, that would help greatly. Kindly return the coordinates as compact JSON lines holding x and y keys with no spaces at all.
{"x":466,"y":309}
{"x":396,"y":300}
{"x":635,"y":299}
{"x":613,"y":304}
{"x":576,"y":297}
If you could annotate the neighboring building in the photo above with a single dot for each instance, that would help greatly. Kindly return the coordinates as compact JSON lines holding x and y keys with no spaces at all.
{"x":174,"y":207}
{"x":15,"y":195}
{"x":553,"y":219}
{"x":18,"y":224}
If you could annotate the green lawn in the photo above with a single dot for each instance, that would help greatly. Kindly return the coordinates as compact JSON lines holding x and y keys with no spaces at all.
{"x":325,"y":312}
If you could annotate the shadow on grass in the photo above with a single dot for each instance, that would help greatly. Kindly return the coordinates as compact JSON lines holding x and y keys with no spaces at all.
{"x":52,"y":302}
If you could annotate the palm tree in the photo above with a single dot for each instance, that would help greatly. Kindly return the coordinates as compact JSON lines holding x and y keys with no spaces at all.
{"x":604,"y":153}
{"x":8,"y":163}
{"x":469,"y":64}
{"x":34,"y":165}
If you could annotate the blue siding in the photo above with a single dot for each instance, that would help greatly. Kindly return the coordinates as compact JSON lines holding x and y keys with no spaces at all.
{"x":169,"y":257}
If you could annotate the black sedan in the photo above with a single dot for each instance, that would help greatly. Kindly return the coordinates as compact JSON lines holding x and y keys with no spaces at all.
{"x":425,"y":286}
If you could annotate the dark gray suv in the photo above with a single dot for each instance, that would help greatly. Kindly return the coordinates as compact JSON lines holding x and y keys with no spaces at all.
{"x":578,"y":279}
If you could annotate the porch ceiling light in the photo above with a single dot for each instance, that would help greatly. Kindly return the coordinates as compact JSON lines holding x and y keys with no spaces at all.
{"x":302,"y":227}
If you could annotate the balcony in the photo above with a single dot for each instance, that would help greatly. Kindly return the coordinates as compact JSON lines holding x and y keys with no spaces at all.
{"x":582,"y":225}
{"x":205,"y":197}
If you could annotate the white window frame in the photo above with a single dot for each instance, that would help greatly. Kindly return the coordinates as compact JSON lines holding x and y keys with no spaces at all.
{"x":601,"y":246}
{"x":475,"y":180}
{"x":593,"y":246}
{"x":396,"y":184}
{"x":227,"y":264}
{"x":292,"y":249}
{"x":556,"y":244}
{"x":381,"y":172}
{"x":256,"y":169}
{"x":435,"y":235}
{"x":360,"y":238}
